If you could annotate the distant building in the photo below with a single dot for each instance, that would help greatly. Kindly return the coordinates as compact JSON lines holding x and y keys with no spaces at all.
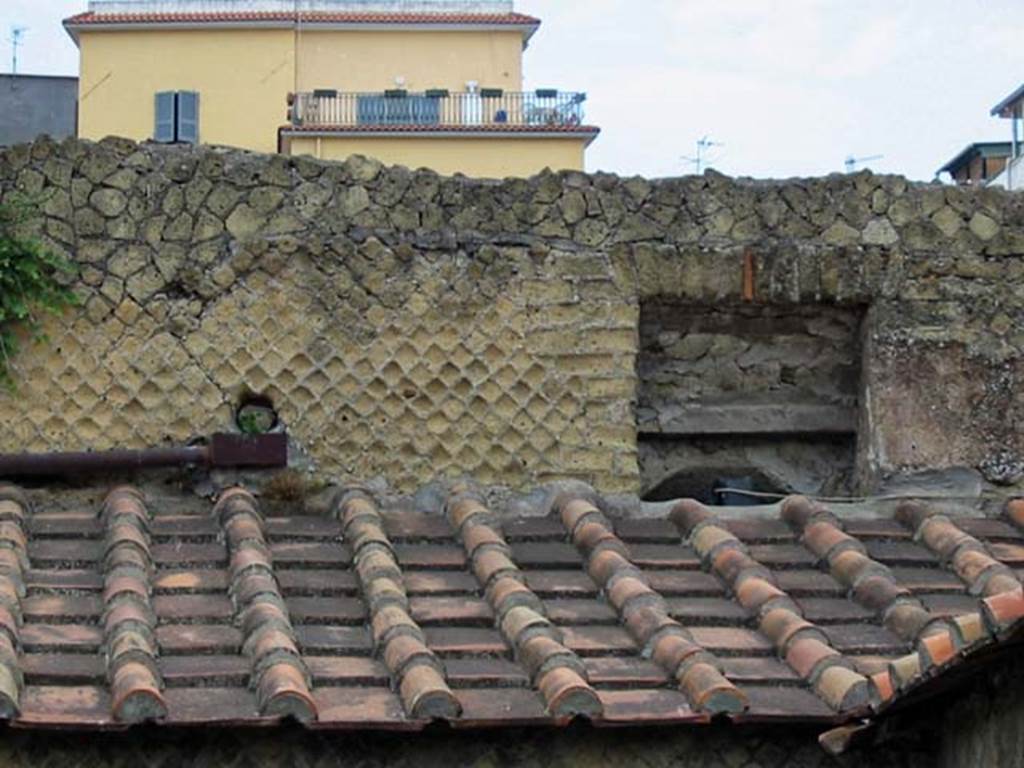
{"x":979,"y":163}
{"x":434,"y":83}
{"x":1012,"y":108}
{"x":32,"y":105}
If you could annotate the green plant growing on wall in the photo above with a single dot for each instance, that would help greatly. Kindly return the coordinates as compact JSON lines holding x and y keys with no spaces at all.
{"x":29,"y":284}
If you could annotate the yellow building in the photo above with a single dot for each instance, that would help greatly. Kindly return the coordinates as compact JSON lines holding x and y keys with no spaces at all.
{"x":432,"y":83}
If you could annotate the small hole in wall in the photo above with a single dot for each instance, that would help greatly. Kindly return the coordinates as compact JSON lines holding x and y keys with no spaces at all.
{"x":256,"y":415}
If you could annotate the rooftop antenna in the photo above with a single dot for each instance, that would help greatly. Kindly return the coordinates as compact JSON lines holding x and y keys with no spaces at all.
{"x":852,"y":162}
{"x":700,"y":161}
{"x":16,"y":33}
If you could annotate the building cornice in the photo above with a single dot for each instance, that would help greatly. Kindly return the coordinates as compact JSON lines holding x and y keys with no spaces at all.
{"x":90,"y":22}
{"x":587,"y":132}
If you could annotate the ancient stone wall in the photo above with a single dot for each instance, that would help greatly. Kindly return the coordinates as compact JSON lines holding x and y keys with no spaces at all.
{"x":411,"y":326}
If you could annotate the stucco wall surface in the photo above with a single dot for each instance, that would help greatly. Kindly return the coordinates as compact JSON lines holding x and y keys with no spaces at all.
{"x":483,"y":156}
{"x":244,"y":76}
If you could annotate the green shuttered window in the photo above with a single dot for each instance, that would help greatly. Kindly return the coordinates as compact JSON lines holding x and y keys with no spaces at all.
{"x":177,"y":117}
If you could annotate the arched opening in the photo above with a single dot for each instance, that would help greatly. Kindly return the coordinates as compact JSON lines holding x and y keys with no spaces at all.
{"x":720,"y":486}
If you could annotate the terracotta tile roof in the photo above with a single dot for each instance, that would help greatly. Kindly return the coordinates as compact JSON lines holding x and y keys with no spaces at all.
{"x":446,"y":19}
{"x":381,"y":618}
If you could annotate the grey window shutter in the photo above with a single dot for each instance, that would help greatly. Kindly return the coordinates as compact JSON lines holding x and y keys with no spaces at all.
{"x":165,"y":117}
{"x":188,"y":117}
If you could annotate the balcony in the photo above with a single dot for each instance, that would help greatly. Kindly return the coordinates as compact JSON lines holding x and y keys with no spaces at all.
{"x":491,"y":110}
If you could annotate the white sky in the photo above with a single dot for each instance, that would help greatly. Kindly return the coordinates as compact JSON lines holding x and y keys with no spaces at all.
{"x":790,"y":87}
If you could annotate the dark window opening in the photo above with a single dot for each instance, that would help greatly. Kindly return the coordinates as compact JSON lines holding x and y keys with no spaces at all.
{"x":731,"y":486}
{"x":737,"y":401}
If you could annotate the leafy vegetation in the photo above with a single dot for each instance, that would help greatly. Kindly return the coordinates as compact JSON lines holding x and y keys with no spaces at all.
{"x":29,"y":284}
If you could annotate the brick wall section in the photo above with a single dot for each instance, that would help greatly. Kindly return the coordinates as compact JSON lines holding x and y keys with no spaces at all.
{"x":410,"y":326}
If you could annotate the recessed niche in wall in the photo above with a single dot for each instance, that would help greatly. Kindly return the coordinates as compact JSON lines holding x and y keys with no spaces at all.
{"x":751,"y":397}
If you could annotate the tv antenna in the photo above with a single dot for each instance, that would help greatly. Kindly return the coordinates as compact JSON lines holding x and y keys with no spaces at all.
{"x":852,"y":162}
{"x":17,"y":33}
{"x":700,"y":161}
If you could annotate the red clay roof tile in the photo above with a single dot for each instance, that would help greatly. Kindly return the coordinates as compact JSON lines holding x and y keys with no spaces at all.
{"x":710,"y":691}
{"x":278,"y":672}
{"x":905,"y":671}
{"x":427,"y":695}
{"x":542,"y":652}
{"x":282,"y":691}
{"x":673,"y":649}
{"x":807,"y":655}
{"x":938,"y":648}
{"x":507,"y":592}
{"x":568,"y":695}
{"x":477,"y":536}
{"x":689,"y":514}
{"x":882,"y":691}
{"x":1015,"y":511}
{"x":603,"y":565}
{"x":556,"y":671}
{"x":647,"y":623}
{"x":307,"y":17}
{"x":574,"y":511}
{"x":300,"y":632}
{"x":1003,"y":610}
{"x":783,"y":626}
{"x":843,"y":689}
{"x":825,"y":539}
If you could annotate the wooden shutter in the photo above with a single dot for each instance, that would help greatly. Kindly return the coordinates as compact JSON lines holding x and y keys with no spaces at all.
{"x":165,"y":117}
{"x":188,"y":117}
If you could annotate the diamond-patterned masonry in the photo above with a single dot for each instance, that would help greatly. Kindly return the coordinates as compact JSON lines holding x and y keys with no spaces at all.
{"x":408,"y":326}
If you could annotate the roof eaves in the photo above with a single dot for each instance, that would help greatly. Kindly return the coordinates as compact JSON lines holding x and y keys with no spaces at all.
{"x":986,"y":148}
{"x":588,"y":132}
{"x":1005,"y":108}
{"x":527,"y":25}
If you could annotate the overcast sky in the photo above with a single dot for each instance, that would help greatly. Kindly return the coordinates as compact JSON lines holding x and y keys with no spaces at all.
{"x":788,"y":87}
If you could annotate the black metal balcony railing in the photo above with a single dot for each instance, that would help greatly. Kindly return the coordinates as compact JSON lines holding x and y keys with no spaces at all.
{"x":440,"y":108}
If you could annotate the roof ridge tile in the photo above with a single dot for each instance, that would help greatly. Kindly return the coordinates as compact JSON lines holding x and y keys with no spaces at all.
{"x":277,"y":671}
{"x":804,"y":647}
{"x":416,"y":672}
{"x":873,"y":585}
{"x":128,"y":616}
{"x":968,"y":557}
{"x":645,"y":615}
{"x":14,"y":509}
{"x":555,"y":670}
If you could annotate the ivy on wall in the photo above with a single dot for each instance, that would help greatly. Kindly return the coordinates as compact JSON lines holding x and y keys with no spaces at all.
{"x":30,"y":283}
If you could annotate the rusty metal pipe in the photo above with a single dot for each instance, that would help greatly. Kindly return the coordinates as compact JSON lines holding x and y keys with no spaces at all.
{"x":222,"y":452}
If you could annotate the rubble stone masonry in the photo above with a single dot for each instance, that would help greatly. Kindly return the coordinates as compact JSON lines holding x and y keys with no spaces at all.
{"x":409,"y":326}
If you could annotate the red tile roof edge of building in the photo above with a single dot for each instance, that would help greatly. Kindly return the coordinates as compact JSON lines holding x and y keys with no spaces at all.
{"x":509,"y":19}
